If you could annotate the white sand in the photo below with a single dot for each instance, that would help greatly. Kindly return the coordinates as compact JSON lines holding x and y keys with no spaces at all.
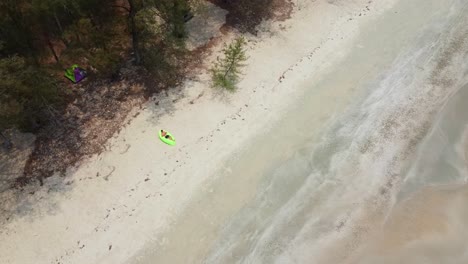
{"x":110,"y":211}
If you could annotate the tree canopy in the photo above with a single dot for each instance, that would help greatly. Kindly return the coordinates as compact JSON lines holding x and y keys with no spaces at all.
{"x":40,"y":38}
{"x":225,"y":72}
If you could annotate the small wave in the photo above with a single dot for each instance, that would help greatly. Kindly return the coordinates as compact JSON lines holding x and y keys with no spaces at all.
{"x":327,"y":201}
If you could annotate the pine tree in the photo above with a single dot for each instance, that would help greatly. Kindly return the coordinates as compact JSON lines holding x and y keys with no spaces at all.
{"x":225,"y":73}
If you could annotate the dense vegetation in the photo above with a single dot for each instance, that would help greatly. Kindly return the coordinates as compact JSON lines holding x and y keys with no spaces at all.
{"x":39,"y":38}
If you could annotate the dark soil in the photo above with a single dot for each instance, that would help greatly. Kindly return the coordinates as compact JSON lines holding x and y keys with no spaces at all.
{"x":246,"y":15}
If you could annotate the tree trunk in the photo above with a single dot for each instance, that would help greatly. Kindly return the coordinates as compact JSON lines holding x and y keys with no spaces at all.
{"x":51,"y":47}
{"x":60,"y":28}
{"x":78,"y":39}
{"x":59,"y":25}
{"x":231,"y":65}
{"x":135,"y":37}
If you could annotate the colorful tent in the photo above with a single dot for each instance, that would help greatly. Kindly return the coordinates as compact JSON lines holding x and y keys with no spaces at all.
{"x":75,"y":73}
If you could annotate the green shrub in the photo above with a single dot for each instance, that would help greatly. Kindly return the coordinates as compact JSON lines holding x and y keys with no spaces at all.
{"x":225,"y":73}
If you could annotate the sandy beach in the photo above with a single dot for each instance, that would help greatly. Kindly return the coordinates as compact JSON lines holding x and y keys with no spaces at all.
{"x":314,"y":159}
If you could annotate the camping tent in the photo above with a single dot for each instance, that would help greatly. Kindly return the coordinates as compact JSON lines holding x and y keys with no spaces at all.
{"x":75,"y":73}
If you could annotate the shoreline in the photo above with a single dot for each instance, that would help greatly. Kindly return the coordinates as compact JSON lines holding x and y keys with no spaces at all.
{"x":119,"y":200}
